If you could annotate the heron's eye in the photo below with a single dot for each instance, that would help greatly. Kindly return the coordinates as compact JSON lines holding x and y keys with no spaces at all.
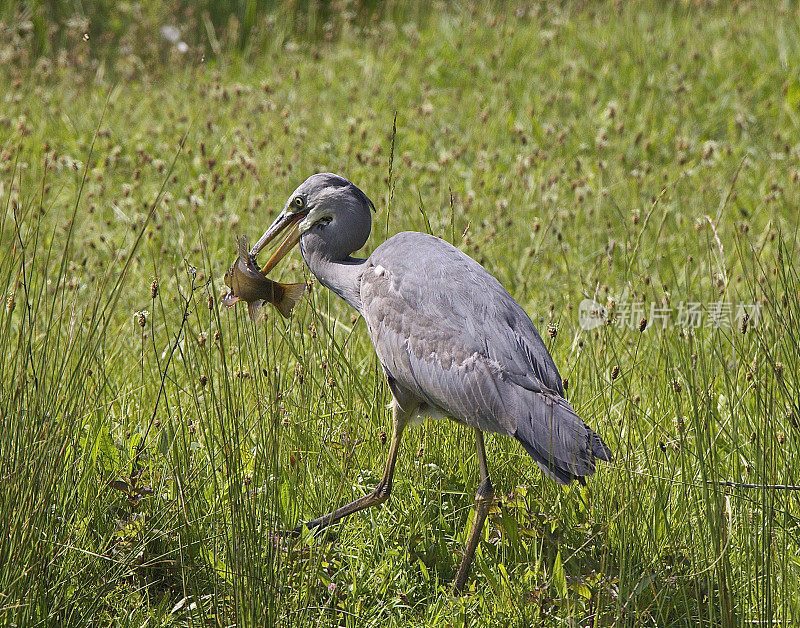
{"x":299,"y":202}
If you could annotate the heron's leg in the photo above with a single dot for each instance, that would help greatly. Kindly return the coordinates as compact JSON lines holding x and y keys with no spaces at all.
{"x":381,"y":492}
{"x":483,"y":500}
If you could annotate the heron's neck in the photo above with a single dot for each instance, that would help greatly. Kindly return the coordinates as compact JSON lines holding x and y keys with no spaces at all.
{"x":341,"y":276}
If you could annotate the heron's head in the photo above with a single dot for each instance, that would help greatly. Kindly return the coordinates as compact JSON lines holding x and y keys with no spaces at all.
{"x":327,"y":213}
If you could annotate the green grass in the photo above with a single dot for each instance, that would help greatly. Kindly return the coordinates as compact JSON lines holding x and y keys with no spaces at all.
{"x":154,"y":445}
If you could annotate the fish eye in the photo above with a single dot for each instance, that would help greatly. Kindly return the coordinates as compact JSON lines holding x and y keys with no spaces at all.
{"x":325,"y":220}
{"x":298,"y":202}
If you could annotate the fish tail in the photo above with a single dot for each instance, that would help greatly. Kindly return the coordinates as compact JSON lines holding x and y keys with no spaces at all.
{"x":292,"y":292}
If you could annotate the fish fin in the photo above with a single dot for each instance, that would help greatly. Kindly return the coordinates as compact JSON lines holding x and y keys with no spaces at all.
{"x":292,"y":292}
{"x":244,"y":254}
{"x":254,"y":309}
{"x":229,"y":299}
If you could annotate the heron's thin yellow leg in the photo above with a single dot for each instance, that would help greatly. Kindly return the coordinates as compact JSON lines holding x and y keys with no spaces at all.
{"x":381,"y":492}
{"x":483,"y":500}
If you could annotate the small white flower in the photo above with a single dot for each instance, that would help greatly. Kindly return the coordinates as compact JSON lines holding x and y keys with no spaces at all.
{"x":170,"y":33}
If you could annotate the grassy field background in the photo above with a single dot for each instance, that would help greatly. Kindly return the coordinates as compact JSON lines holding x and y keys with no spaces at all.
{"x":153,"y":445}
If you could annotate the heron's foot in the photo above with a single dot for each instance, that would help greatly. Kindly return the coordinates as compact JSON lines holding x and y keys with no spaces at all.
{"x":283,"y":539}
{"x":323,"y":533}
{"x":284,"y":533}
{"x":378,"y":495}
{"x":320,"y":526}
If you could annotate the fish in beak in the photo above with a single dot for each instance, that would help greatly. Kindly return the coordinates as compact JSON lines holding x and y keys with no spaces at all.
{"x":248,"y":283}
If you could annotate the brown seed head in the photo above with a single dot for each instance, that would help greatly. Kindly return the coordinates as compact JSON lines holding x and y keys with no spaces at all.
{"x":615,"y":372}
{"x":154,"y":289}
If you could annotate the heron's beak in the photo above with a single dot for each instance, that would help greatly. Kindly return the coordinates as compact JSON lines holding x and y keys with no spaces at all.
{"x":284,"y":221}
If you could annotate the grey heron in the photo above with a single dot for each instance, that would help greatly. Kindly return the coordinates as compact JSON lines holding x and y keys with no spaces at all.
{"x":450,"y":339}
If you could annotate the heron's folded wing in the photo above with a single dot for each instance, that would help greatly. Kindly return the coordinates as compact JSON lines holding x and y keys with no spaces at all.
{"x":441,"y":286}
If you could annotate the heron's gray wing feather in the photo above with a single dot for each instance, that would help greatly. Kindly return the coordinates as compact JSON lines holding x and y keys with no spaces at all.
{"x":437,"y":279}
{"x":425,"y":357}
{"x":450,"y":334}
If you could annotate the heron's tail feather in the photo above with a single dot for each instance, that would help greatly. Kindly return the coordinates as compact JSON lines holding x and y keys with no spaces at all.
{"x":558,"y":440}
{"x":599,"y":448}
